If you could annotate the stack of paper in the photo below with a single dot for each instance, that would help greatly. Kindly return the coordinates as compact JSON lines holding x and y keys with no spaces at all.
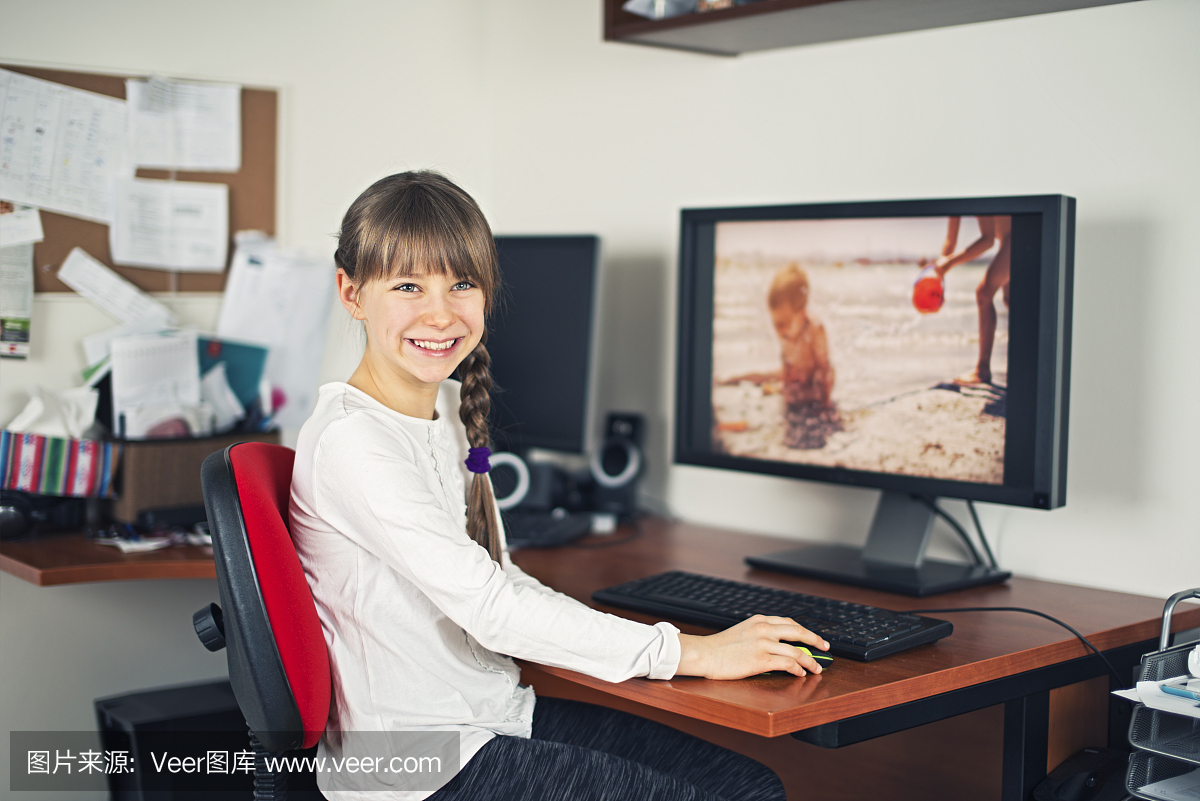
{"x":1151,"y":694}
{"x":155,"y":377}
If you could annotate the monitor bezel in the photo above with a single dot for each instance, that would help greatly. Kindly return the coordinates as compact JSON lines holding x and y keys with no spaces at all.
{"x":1052,"y":313}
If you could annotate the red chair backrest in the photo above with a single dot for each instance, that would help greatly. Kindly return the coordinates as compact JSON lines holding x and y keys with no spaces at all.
{"x":263,"y":474}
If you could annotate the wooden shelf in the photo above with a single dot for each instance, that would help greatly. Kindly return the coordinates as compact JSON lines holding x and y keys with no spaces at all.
{"x":771,"y":24}
{"x":73,"y":559}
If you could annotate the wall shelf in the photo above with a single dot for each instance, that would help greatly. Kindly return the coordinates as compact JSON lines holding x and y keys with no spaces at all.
{"x":787,"y":23}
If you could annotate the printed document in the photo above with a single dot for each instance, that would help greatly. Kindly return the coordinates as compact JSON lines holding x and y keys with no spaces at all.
{"x":154,"y":370}
{"x":97,"y":346}
{"x":171,"y":225}
{"x":178,"y":125}
{"x":280,"y":300}
{"x":16,"y":300}
{"x":110,"y":292}
{"x":61,"y":149}
{"x":19,"y":225}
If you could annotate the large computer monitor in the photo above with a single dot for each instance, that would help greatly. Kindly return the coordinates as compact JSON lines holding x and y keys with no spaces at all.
{"x":817,"y":342}
{"x":540,"y":341}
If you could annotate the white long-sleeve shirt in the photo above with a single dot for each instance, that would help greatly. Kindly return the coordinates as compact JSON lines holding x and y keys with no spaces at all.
{"x":421,"y":624}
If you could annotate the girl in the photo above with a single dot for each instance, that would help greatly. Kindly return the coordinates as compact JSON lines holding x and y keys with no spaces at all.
{"x":421,"y":607}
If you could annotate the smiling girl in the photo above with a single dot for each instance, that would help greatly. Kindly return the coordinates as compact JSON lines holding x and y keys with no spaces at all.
{"x":422,"y":610}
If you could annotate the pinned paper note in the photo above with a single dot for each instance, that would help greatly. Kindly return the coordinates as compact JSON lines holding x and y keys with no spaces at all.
{"x":185,"y":125}
{"x":171,"y":225}
{"x":110,"y":292}
{"x":16,"y":300}
{"x":19,"y":225}
{"x":62,"y":149}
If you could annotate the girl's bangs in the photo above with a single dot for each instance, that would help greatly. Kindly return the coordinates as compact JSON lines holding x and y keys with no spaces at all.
{"x":413,"y":230}
{"x":438,"y":247}
{"x":425,"y":252}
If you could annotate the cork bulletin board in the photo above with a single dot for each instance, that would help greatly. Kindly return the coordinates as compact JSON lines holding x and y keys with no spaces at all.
{"x":251,"y":192}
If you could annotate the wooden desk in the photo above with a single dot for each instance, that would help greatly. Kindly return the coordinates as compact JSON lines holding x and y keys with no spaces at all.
{"x":73,"y":559}
{"x":1050,"y":689}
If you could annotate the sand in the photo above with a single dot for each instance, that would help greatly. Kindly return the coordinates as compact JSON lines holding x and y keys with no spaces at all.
{"x":900,"y":412}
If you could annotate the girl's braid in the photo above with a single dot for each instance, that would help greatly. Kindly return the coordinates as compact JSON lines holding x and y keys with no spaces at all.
{"x":475,"y":405}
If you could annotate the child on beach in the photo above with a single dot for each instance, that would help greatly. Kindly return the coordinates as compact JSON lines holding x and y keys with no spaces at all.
{"x":423,"y":611}
{"x":807,"y":374}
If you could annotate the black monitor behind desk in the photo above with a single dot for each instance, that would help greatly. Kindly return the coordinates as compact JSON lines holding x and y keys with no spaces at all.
{"x":981,"y":714}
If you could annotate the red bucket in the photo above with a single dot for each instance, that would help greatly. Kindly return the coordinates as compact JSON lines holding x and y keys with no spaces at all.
{"x":928,"y":291}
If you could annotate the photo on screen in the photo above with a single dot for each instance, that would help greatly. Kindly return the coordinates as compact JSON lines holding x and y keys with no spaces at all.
{"x":878,"y":345}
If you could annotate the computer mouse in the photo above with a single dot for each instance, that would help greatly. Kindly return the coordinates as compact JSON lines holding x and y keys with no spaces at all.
{"x":1077,"y":787}
{"x":822,"y":658}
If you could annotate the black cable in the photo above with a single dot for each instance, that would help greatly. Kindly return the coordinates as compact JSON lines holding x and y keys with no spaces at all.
{"x":982,"y":538}
{"x":1120,"y":682}
{"x":962,"y":532}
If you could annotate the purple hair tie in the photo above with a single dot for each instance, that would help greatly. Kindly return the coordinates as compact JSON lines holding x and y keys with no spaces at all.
{"x":477,"y":460}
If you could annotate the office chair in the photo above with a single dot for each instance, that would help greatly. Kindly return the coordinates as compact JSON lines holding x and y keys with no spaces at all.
{"x":278,"y":661}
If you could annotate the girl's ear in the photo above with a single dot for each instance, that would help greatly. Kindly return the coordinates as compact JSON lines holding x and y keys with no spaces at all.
{"x":348,"y":294}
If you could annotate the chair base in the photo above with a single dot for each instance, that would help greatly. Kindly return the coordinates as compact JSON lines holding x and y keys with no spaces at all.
{"x":268,"y":786}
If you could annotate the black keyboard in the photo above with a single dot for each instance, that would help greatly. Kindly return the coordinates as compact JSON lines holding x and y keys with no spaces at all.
{"x":544,"y":529}
{"x":852,"y":630}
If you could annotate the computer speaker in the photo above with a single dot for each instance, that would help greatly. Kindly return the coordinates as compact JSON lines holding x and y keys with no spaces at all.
{"x":526,"y":485}
{"x":618,"y":464}
{"x":510,"y":479}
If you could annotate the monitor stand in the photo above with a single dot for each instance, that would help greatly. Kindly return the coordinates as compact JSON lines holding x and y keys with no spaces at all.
{"x":893,"y":559}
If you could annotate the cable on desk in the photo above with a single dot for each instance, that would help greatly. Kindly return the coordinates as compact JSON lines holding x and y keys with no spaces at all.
{"x":962,"y":532}
{"x":983,"y":539}
{"x":1117,"y":676}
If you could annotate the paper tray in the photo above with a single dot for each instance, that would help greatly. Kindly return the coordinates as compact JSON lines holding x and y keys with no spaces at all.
{"x":1146,"y":768}
{"x":1165,"y":734}
{"x":1167,"y":664}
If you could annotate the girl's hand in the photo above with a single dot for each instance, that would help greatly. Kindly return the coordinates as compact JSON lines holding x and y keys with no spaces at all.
{"x":753,"y":646}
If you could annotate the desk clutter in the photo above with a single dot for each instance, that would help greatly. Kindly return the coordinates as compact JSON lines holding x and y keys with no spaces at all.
{"x":114,"y":187}
{"x":153,"y":402}
{"x":152,"y":491}
{"x":1165,"y":729}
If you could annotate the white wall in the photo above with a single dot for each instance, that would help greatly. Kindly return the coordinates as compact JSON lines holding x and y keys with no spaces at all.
{"x":1100,"y":104}
{"x":556,"y":131}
